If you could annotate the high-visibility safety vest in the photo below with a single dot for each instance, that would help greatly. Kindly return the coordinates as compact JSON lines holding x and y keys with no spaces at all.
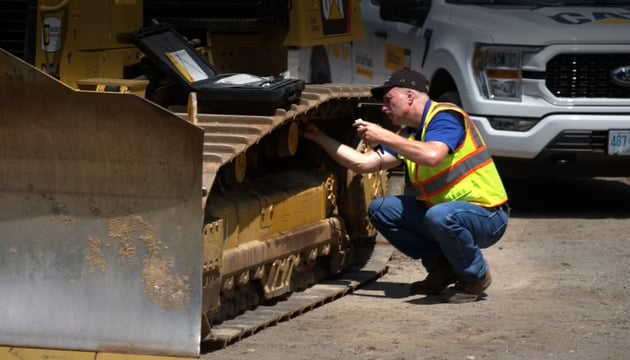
{"x":468,"y":174}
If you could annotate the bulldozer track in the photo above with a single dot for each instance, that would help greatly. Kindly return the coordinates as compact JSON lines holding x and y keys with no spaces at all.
{"x":228,"y":135}
{"x":371,"y":265}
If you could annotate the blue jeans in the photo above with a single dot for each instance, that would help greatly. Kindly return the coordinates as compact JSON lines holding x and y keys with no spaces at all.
{"x":457,"y":230}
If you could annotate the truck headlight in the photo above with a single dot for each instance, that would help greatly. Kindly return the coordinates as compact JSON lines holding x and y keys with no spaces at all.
{"x":498,"y":72}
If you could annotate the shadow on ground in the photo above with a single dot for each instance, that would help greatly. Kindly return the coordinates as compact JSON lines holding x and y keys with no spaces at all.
{"x":559,"y":197}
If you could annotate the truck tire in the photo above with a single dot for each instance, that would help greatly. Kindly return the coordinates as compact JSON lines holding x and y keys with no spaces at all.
{"x":320,"y":67}
{"x":451,"y":97}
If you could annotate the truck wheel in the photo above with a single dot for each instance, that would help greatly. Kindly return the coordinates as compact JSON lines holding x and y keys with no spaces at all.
{"x":450,"y":96}
{"x":320,"y":68}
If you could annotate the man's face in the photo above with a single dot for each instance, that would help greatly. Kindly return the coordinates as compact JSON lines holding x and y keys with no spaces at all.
{"x":394,"y":104}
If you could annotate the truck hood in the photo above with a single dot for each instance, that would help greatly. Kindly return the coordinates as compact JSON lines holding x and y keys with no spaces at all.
{"x":545,"y":25}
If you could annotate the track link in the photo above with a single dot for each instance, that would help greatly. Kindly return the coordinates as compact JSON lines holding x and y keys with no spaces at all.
{"x":229,"y":135}
{"x":371,"y":264}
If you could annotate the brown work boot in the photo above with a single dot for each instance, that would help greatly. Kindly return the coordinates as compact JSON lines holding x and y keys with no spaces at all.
{"x":468,"y":291}
{"x":437,"y":280}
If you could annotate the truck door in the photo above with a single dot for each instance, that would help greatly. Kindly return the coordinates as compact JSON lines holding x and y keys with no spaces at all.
{"x":395,"y":38}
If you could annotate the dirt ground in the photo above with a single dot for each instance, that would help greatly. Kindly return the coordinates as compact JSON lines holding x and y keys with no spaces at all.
{"x":560,"y":291}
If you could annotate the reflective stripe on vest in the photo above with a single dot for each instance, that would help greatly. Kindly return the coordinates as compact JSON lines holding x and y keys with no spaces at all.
{"x":466,"y":165}
{"x":456,"y":181}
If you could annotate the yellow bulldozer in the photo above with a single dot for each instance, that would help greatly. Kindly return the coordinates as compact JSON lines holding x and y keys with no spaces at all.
{"x":132,"y":220}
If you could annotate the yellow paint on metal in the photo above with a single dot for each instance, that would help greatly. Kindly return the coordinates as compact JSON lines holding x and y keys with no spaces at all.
{"x":365,"y":72}
{"x":116,"y":356}
{"x":317,"y":22}
{"x":78,"y":39}
{"x":287,"y":140}
{"x":9,"y":353}
{"x":17,"y":353}
{"x":121,"y":85}
{"x":396,"y":57}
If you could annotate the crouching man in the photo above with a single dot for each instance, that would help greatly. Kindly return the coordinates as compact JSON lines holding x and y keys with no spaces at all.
{"x":462,"y":207}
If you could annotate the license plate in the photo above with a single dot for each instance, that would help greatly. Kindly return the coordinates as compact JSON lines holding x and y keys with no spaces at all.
{"x":619,"y":142}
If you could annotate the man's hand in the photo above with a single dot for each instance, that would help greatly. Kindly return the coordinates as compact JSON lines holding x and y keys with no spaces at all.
{"x":309,"y":130}
{"x":371,"y":133}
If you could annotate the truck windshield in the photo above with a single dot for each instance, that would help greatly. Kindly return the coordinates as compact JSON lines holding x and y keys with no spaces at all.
{"x":543,"y":2}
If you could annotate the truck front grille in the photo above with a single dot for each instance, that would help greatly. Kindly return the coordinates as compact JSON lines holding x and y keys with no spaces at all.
{"x":586,"y":75}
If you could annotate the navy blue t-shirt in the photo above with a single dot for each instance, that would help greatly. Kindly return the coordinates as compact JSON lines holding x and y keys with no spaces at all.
{"x":446,"y":127}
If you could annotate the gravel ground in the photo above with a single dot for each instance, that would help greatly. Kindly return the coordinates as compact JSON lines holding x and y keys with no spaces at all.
{"x":560,"y":291}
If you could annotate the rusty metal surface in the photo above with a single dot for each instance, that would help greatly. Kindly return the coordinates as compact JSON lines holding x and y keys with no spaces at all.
{"x":100,"y":220}
{"x":227,"y":136}
{"x":260,"y":252}
{"x":101,"y":213}
{"x":371,"y":264}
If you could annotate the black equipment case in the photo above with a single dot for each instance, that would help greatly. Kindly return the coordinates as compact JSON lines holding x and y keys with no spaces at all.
{"x":221,"y":93}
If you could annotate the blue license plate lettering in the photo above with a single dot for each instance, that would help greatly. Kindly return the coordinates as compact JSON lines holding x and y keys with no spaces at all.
{"x":619,"y":142}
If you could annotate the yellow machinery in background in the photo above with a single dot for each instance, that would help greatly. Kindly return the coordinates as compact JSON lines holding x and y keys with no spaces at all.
{"x":128,"y":226}
{"x":81,"y":39}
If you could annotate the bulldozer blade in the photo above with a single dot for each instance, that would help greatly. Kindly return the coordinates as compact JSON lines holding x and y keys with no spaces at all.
{"x":100,"y":219}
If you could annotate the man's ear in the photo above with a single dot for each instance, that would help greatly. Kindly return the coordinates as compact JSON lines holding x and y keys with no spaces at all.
{"x":410,"y":97}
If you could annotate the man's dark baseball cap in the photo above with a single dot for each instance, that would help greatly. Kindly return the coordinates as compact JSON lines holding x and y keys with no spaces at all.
{"x":402,"y":78}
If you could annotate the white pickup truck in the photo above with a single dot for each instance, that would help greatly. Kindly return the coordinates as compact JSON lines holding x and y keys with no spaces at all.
{"x":547,"y":82}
